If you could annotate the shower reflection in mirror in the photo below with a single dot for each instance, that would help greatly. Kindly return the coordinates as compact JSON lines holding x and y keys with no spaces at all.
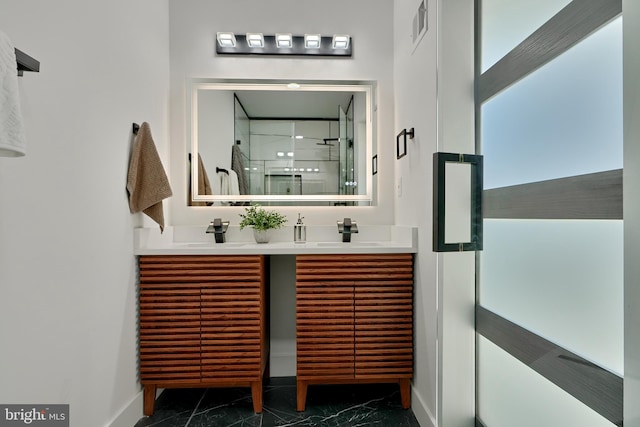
{"x":284,"y":144}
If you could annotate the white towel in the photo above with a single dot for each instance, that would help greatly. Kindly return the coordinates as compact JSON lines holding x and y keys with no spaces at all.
{"x":12,"y":136}
{"x":234,"y":185}
{"x":224,"y":183}
{"x":229,"y":183}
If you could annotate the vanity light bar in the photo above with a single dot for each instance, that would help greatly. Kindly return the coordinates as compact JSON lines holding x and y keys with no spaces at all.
{"x":302,"y":169}
{"x":229,"y":43}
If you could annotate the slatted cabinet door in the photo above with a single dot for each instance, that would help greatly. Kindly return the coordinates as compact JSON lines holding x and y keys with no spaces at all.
{"x":324,"y":329}
{"x":169,"y":322}
{"x":354,"y":320}
{"x":324,"y":323}
{"x":202,"y":323}
{"x":384,"y":321}
{"x":234,"y":347}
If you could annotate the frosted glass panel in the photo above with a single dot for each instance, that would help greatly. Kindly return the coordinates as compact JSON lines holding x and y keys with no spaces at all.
{"x":511,"y":394}
{"x":564,"y":119}
{"x":562,"y":280}
{"x":506,"y":23}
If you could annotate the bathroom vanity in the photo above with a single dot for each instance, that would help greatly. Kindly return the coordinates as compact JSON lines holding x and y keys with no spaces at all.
{"x":204,"y":310}
{"x":202,"y":323}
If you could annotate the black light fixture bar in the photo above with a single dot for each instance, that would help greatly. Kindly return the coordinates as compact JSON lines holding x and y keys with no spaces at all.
{"x":298,"y":48}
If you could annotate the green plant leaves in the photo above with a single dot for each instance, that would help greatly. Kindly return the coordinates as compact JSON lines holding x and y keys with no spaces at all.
{"x":261,"y":219}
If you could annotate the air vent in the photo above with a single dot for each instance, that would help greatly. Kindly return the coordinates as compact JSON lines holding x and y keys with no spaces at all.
{"x":420,"y":23}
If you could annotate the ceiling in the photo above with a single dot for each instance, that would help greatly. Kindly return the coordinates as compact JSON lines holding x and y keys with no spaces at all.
{"x":293,"y":104}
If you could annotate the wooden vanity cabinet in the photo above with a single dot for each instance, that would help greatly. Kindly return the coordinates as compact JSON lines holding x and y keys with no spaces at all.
{"x":354,"y":321}
{"x":203,"y":323}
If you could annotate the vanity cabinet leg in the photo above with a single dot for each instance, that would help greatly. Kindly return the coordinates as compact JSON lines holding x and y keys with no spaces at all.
{"x":256,"y":395}
{"x":301,"y":392}
{"x":149,"y":399}
{"x":405,"y":392}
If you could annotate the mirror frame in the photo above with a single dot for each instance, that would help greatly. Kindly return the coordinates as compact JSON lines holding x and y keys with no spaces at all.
{"x":366,"y":87}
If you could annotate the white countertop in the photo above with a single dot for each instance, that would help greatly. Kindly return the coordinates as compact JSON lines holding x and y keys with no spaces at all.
{"x":320,"y":240}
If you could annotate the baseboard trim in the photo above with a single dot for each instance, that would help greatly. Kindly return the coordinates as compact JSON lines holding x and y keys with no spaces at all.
{"x":421,"y":410}
{"x":130,"y":413}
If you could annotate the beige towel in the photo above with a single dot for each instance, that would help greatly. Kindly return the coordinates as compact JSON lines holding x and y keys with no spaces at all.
{"x":147,"y":182}
{"x":204,"y":186}
{"x":237,"y":164}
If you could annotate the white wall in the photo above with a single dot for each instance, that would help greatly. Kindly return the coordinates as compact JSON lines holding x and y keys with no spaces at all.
{"x":415,"y":107}
{"x":456,"y":271}
{"x":631,"y":71}
{"x":193,"y":27}
{"x":434,"y":95}
{"x":67,"y":270}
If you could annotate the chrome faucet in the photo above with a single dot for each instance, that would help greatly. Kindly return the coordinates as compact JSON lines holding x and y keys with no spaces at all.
{"x":218,"y":228}
{"x":347,"y":227}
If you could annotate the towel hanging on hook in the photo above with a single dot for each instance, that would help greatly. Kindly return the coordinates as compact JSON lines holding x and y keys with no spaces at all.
{"x":147,"y":181}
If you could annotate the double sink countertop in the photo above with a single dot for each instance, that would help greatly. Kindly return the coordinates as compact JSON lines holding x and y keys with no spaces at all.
{"x":189,"y":240}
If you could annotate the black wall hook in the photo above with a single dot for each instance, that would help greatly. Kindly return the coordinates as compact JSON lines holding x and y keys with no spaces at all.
{"x":25,"y":62}
{"x":410,"y":133}
{"x":136,"y":128}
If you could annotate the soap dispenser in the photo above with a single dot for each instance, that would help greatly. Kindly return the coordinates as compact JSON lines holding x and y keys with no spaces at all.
{"x":299,"y":231}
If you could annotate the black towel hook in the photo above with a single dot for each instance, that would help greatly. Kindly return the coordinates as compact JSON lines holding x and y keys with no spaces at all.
{"x":404,"y":134}
{"x":136,"y":128}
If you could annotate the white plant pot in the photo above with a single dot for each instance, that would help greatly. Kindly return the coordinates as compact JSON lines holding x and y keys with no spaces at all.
{"x":261,"y":236}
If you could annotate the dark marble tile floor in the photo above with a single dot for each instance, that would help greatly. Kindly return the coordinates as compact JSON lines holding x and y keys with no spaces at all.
{"x":327,"y":406}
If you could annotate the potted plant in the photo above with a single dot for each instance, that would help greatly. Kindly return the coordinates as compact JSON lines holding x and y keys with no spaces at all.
{"x":262,"y":221}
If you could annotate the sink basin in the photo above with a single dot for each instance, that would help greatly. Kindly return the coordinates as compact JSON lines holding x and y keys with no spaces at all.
{"x":365,"y":243}
{"x":216,"y":245}
{"x":346,"y":244}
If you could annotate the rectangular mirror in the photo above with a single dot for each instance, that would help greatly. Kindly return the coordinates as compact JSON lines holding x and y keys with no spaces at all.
{"x":281,"y":143}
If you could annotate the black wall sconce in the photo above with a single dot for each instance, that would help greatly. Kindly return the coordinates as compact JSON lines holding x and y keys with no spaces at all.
{"x":440,"y":161}
{"x":283,"y":44}
{"x":410,"y":133}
